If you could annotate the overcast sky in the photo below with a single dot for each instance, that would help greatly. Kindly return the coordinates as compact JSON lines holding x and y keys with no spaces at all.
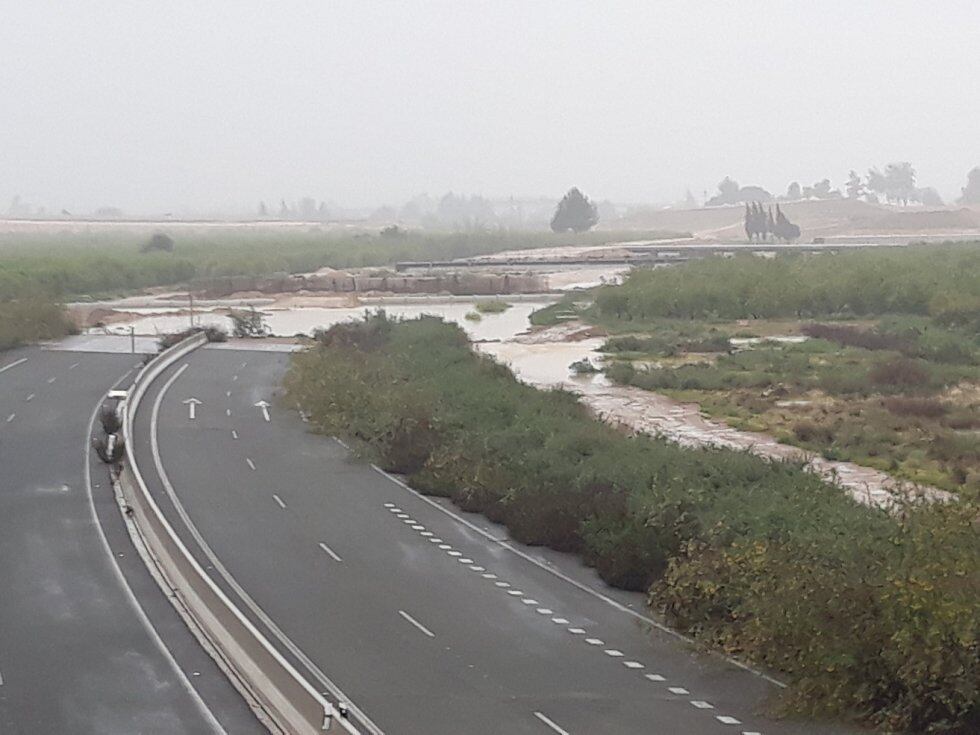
{"x":207,"y":104}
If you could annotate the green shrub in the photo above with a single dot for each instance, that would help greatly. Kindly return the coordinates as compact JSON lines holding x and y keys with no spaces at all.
{"x":34,"y":319}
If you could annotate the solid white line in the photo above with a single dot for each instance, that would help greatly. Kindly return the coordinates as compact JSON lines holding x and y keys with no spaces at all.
{"x":14,"y":364}
{"x":574,"y":582}
{"x":128,"y":591}
{"x":416,"y":623}
{"x":249,"y":462}
{"x":333,"y":554}
{"x":551,"y":724}
{"x":252,"y":605}
{"x":279,"y":501}
{"x":11,"y":417}
{"x":30,"y":397}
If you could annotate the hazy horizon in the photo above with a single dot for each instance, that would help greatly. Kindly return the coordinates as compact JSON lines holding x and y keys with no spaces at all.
{"x":187,"y":107}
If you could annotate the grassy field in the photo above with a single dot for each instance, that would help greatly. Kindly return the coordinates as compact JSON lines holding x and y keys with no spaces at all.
{"x":871,"y":616}
{"x":71,"y":265}
{"x":888,"y":377}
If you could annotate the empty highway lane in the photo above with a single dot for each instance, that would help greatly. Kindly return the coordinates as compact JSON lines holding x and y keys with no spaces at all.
{"x":78,"y":653}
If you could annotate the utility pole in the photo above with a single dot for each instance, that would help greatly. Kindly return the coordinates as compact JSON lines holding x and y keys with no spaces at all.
{"x":132,"y":340}
{"x":190,"y":295}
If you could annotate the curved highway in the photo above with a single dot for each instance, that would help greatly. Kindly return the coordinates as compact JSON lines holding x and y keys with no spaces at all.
{"x":78,"y":653}
{"x":427,"y":622}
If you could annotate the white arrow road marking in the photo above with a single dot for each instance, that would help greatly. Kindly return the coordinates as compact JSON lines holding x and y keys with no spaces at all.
{"x":192,"y":404}
{"x":551,"y":724}
{"x":416,"y":623}
{"x":265,"y":409}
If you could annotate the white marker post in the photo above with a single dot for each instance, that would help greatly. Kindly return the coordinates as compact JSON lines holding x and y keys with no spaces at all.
{"x":192,"y":404}
{"x":265,"y":409}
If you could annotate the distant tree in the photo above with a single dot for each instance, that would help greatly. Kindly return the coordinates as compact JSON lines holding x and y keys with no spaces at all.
{"x":159,"y":241}
{"x":728,"y":188}
{"x":793,"y":192}
{"x":729,"y":192}
{"x":854,"y":187}
{"x":971,"y":192}
{"x":689,"y":201}
{"x":283,"y":209}
{"x":900,"y":182}
{"x":821,"y":190}
{"x":574,"y":212}
{"x":392,"y":232}
{"x":877,"y":182}
{"x":929,"y":197}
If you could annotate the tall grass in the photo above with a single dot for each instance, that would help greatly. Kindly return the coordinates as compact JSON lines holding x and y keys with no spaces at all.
{"x":31,"y":320}
{"x":939,"y":281}
{"x":74,"y":264}
{"x":869,"y":615}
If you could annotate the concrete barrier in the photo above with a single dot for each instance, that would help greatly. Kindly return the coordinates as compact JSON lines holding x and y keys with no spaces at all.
{"x":287,"y":699}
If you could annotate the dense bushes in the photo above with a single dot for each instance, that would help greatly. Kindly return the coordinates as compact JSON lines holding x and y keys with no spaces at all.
{"x":29,"y":320}
{"x":866,"y":613}
{"x":940,"y":281}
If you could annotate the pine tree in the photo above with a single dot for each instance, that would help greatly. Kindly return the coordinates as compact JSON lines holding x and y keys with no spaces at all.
{"x":575,"y":212}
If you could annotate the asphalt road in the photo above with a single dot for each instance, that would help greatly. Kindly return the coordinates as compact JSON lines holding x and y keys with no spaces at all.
{"x":77,"y":653}
{"x":420,"y":620}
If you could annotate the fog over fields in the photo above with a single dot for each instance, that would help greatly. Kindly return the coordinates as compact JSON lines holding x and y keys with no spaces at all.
{"x":212,"y":107}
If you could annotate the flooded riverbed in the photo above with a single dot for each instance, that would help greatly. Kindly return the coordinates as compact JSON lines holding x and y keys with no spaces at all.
{"x":542,"y":358}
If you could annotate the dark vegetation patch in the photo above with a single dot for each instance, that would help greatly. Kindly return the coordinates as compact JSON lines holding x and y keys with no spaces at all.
{"x":32,"y":319}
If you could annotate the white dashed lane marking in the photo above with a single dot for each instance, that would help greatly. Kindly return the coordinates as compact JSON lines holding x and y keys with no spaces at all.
{"x":51,"y":380}
{"x":416,"y":623}
{"x":249,"y":462}
{"x":30,"y":397}
{"x":530,"y":602}
{"x":234,"y":434}
{"x":333,"y":554}
{"x":11,"y":417}
{"x":14,"y":364}
{"x":279,"y":501}
{"x":73,"y":366}
{"x":551,"y":723}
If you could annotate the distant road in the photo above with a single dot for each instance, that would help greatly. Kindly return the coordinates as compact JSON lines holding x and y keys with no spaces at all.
{"x":429,"y":624}
{"x":78,"y":655}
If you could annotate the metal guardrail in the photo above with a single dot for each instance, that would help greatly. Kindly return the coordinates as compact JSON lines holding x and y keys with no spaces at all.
{"x":287,"y":698}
